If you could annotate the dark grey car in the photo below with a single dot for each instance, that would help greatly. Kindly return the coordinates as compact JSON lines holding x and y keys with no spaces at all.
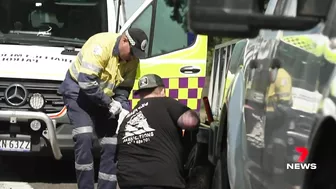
{"x":277,"y":124}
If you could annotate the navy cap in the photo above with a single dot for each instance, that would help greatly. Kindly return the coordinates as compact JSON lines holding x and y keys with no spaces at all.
{"x":138,"y":41}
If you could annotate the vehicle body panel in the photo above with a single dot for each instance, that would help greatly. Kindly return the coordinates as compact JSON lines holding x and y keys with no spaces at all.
{"x":270,"y":133}
{"x":236,"y":156}
{"x":34,"y":62}
{"x":274,"y":104}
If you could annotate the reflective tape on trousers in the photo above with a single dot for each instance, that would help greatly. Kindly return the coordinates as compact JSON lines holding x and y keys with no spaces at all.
{"x":109,"y":140}
{"x":108,"y":177}
{"x":84,"y":167}
{"x":81,"y":130}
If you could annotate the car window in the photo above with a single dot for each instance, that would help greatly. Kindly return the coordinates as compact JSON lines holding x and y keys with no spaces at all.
{"x":144,"y":22}
{"x":55,"y":18}
{"x":170,"y":31}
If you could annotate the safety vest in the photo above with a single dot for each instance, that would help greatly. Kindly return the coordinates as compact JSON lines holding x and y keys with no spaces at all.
{"x":96,"y":58}
{"x":279,"y":90}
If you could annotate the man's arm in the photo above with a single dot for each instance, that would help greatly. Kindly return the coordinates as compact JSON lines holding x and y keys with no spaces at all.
{"x":184,"y":117}
{"x":122,"y":92}
{"x":188,"y":120}
{"x":93,"y":60}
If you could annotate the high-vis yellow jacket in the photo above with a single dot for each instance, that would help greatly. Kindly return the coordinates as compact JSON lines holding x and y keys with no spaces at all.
{"x":99,"y":73}
{"x":280,"y":91}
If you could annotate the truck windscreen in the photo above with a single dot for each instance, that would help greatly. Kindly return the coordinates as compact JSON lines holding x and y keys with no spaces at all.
{"x":68,"y":19}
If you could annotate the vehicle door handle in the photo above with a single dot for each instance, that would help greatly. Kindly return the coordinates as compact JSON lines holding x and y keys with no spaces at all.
{"x":190,"y":70}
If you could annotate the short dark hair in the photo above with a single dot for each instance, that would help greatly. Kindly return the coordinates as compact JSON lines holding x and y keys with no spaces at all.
{"x":145,"y":92}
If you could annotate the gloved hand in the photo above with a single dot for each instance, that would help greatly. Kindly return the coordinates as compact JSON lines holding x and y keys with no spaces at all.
{"x":115,"y":107}
{"x":122,"y":115}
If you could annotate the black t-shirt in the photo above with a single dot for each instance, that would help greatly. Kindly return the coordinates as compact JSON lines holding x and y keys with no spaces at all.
{"x":150,"y":151}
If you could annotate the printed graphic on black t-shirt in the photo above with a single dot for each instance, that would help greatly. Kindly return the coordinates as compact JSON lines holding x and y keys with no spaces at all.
{"x":150,"y":150}
{"x":137,"y":129}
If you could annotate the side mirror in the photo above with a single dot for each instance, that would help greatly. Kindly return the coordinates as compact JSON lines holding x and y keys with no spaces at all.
{"x":329,"y":29}
{"x":209,"y":17}
{"x":244,"y":18}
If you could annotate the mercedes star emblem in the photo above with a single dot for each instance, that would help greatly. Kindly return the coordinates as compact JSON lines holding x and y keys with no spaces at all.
{"x":16,"y":95}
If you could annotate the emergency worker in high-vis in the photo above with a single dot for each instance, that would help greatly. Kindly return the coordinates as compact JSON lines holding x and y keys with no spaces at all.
{"x":278,"y":102}
{"x":279,"y":95}
{"x":96,"y":90}
{"x":278,"y":108}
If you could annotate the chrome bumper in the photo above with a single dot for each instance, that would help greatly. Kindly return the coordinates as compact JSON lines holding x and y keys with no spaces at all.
{"x":14,"y":116}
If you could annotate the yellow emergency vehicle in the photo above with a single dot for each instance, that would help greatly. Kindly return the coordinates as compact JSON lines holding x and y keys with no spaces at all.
{"x":175,"y":54}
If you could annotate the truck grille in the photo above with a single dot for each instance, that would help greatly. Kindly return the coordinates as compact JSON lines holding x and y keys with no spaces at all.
{"x":53,"y":101}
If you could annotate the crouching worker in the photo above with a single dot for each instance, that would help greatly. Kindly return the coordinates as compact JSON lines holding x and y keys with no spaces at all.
{"x":95,"y":90}
{"x":150,"y":151}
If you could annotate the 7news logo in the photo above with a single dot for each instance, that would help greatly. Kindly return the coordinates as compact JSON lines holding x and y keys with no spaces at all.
{"x":301,"y":165}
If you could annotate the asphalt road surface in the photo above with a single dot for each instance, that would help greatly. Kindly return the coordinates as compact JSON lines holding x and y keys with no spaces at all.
{"x":36,"y":173}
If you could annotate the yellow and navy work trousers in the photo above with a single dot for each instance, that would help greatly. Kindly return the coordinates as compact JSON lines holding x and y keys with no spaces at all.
{"x":87,"y":118}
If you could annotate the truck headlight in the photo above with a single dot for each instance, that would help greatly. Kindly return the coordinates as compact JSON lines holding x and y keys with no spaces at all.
{"x":36,"y":101}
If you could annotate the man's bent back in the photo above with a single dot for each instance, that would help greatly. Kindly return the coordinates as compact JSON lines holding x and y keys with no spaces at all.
{"x":149,"y":140}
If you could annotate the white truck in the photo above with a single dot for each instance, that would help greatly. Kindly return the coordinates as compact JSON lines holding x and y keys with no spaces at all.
{"x":38,"y":41}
